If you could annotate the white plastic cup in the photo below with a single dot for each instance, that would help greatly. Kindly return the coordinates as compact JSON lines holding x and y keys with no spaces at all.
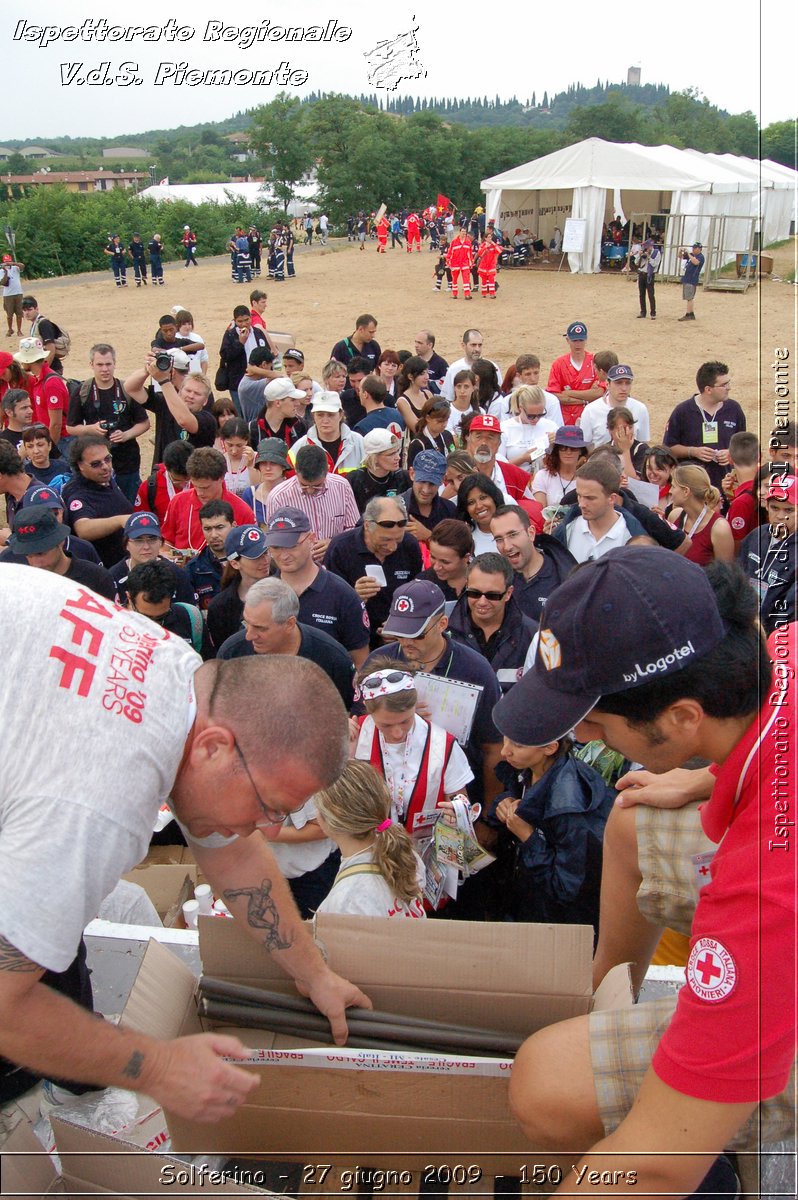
{"x":191,"y":913}
{"x":220,"y":909}
{"x":204,"y":897}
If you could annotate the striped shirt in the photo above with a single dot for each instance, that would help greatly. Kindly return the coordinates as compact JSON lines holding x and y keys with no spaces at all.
{"x":330,"y":512}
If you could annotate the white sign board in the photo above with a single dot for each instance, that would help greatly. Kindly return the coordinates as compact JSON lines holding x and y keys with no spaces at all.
{"x":573,"y":238}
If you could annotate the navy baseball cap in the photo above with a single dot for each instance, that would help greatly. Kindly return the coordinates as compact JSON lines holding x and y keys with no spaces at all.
{"x":245,"y":541}
{"x":429,"y":467}
{"x":621,"y":371}
{"x":36,"y":529}
{"x":40,"y":493}
{"x":586,"y":649}
{"x":286,"y":527}
{"x":413,"y":607}
{"x":576,"y":332}
{"x":142,"y":524}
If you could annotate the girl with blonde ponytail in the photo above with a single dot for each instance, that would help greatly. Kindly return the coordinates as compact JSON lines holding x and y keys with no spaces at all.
{"x":696,"y":512}
{"x":380,"y":874}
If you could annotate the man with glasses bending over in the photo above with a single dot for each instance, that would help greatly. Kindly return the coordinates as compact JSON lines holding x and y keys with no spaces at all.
{"x":377,"y":558}
{"x":699,"y":429}
{"x":193,"y":734}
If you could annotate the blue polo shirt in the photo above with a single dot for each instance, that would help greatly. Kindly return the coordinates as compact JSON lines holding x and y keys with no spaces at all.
{"x":380,"y":418}
{"x":316,"y":646}
{"x":333,"y":606}
{"x":83,"y":498}
{"x":348,"y":556}
{"x":461,"y":662}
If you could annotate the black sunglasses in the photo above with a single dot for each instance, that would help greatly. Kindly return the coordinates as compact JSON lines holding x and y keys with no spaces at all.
{"x":476,"y":594}
{"x":374,"y":681}
{"x":392,"y":524}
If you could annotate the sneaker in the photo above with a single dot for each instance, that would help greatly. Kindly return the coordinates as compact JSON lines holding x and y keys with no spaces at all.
{"x":721,"y":1181}
{"x":688,"y":317}
{"x":653,"y":316}
{"x":641,"y":316}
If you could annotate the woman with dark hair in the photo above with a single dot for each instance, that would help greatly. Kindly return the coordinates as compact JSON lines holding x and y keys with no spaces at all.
{"x":451,"y":548}
{"x":432,"y":432}
{"x":238,"y":454}
{"x":621,"y":428}
{"x":465,"y":399}
{"x":488,"y":383}
{"x":42,"y":459}
{"x":411,"y":390}
{"x":477,"y":501}
{"x":560,"y":463}
{"x":12,"y":376}
{"x":388,"y":365}
{"x":658,"y":467}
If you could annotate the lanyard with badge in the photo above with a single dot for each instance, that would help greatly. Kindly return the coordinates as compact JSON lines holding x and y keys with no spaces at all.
{"x":765,"y":578}
{"x":709,"y":428}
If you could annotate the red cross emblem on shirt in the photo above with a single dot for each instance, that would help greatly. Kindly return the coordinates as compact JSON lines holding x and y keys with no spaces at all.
{"x":711,"y":971}
{"x":708,"y":968}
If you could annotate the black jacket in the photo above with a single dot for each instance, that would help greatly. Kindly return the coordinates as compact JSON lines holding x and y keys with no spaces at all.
{"x":770,"y":566}
{"x":508,"y":647}
{"x":234,"y":356}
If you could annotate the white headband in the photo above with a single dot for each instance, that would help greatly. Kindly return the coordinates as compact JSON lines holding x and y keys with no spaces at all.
{"x":386,"y":683}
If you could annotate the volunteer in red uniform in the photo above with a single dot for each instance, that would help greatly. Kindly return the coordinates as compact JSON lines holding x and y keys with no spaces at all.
{"x":488,"y":256}
{"x":413,"y":227}
{"x":383,"y":226}
{"x":49,"y":392}
{"x":573,"y":376}
{"x":459,"y":260}
{"x":672,"y":1082}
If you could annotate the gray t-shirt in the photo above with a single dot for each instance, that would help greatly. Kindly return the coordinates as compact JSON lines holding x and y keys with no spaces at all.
{"x":95,"y":711}
{"x":251,"y":397}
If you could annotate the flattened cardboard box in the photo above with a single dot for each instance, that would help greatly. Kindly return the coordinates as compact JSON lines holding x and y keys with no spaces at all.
{"x":168,"y":885}
{"x":99,"y":1164}
{"x":505,"y":977}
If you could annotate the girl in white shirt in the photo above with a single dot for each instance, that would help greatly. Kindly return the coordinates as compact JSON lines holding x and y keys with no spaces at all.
{"x":380,"y":874}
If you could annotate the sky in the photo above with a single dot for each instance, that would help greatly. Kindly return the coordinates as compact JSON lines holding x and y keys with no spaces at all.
{"x":684,"y":44}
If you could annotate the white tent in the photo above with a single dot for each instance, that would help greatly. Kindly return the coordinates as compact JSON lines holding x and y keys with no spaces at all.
{"x":222,"y":193}
{"x":595,"y":179}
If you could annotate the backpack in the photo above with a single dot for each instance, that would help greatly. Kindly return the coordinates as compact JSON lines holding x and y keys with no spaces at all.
{"x":62,"y":341}
{"x":195,"y":617}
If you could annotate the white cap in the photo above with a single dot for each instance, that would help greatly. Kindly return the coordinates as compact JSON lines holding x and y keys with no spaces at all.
{"x":329,"y":402}
{"x":282,"y":389}
{"x":180,"y":360}
{"x":380,"y":441}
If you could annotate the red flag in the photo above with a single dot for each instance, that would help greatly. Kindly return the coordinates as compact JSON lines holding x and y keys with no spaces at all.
{"x":444,"y":203}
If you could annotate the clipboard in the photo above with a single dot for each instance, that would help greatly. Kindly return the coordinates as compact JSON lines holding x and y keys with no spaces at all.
{"x":452,"y":703}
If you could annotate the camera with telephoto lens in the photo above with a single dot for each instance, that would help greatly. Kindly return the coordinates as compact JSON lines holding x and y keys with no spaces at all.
{"x":163,"y":361}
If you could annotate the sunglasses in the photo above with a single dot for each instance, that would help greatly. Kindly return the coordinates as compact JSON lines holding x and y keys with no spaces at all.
{"x":533,"y":416}
{"x":374,"y":681}
{"x":476,"y":594}
{"x":392,"y":524}
{"x":32,"y":430}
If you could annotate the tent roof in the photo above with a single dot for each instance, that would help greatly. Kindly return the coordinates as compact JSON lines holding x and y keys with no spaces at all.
{"x":596,"y":163}
{"x":220,"y":193}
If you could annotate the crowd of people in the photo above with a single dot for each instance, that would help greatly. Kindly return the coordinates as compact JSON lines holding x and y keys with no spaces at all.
{"x":398,"y":524}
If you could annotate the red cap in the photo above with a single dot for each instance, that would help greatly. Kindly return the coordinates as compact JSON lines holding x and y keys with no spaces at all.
{"x":7,"y":258}
{"x":6,"y":360}
{"x":783,"y":488}
{"x":485,"y":424}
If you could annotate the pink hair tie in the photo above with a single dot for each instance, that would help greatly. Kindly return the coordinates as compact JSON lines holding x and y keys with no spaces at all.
{"x":385,"y":825}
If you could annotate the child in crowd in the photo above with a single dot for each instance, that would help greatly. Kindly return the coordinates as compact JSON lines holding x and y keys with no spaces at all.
{"x":421,"y":763}
{"x":553,"y":819}
{"x":380,"y":874}
{"x":239,"y":456}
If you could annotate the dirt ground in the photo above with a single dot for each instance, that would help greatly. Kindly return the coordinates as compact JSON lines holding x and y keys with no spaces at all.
{"x":334,"y":284}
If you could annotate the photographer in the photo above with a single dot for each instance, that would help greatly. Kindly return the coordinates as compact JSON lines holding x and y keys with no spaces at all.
{"x":694,"y":260}
{"x":102,"y":406}
{"x":179,"y":400}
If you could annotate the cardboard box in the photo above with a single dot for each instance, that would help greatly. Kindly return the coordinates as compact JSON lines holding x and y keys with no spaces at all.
{"x":164,"y":855}
{"x":167,"y":886}
{"x":98,"y":1164}
{"x":393,"y":1108}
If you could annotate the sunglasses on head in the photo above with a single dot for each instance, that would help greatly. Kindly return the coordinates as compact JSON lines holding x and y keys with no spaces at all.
{"x":392,"y":524}
{"x":374,"y":681}
{"x":476,"y":594}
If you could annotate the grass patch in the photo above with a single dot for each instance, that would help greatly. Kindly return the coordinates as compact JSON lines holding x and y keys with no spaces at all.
{"x":778,"y":245}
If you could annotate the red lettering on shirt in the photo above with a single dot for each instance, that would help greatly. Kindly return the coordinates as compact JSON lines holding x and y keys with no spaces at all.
{"x":82,"y":628}
{"x":73,"y":665}
{"x":88,"y":602}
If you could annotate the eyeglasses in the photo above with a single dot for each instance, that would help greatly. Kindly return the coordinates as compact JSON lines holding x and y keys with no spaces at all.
{"x":272,"y":817}
{"x":476,"y":594}
{"x":727,"y":384}
{"x":534,"y":416}
{"x":312,"y":489}
{"x":99,"y":462}
{"x":392,"y":524}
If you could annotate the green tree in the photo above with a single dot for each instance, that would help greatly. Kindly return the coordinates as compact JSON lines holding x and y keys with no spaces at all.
{"x":779,"y":143}
{"x":279,"y":134}
{"x":16,"y":165}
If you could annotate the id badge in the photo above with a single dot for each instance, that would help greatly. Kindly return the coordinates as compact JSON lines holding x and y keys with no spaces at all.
{"x":709,"y":433}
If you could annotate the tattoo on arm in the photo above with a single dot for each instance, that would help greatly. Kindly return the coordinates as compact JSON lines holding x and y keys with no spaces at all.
{"x":262,"y":913}
{"x":12,"y":959}
{"x":132,"y":1069}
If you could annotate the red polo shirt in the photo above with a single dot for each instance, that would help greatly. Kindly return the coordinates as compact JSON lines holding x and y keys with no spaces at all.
{"x":182,"y":528}
{"x":48,"y":393}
